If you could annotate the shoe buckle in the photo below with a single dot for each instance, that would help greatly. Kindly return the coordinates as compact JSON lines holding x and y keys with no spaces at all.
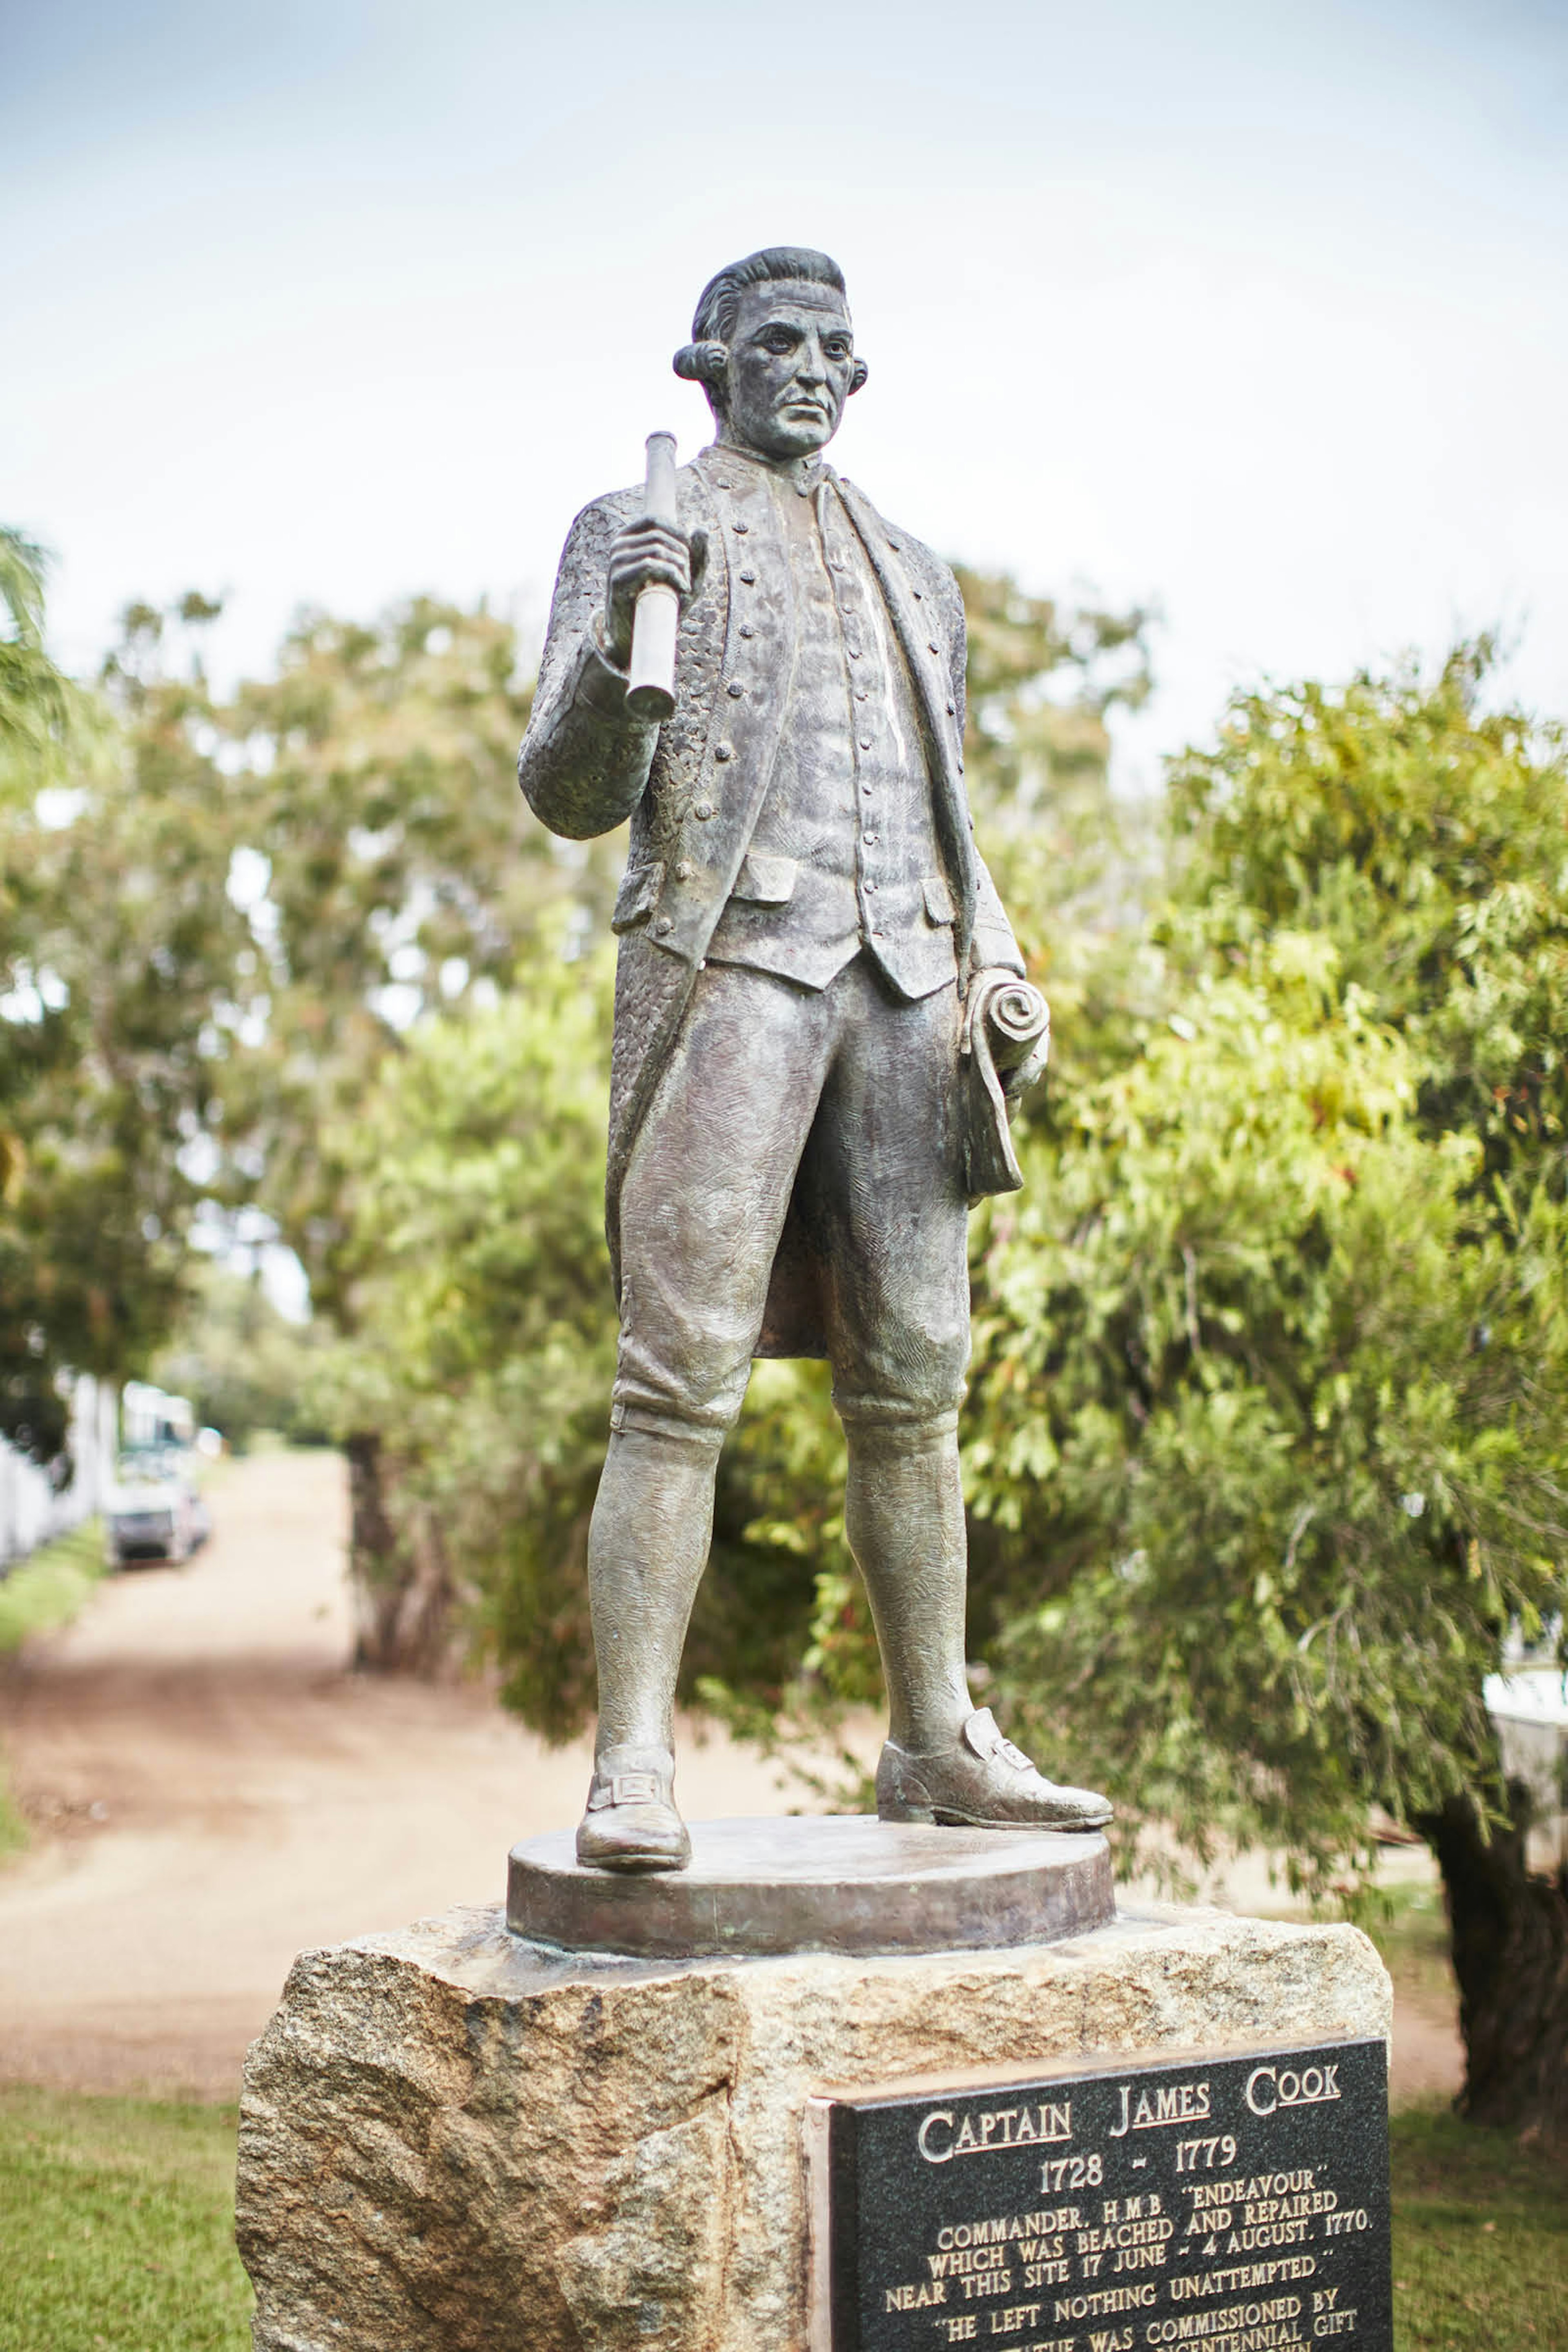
{"x":986,"y":1737}
{"x":634,"y":1788}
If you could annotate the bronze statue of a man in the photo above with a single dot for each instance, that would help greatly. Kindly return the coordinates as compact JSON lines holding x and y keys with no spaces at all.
{"x":805,"y":926}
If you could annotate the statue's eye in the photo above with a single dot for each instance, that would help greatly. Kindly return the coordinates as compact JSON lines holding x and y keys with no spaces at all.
{"x":779,"y":339}
{"x":836,"y":348}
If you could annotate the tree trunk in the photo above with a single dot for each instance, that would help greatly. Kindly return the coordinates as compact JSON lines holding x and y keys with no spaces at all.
{"x":402,"y":1591}
{"x":1510,"y":1930}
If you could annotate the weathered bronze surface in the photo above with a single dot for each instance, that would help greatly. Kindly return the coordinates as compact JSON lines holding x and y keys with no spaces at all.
{"x":849,"y":1884}
{"x":821,"y":1021}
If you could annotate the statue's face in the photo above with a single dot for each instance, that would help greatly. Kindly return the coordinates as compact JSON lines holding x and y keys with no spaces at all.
{"x":792,"y":355}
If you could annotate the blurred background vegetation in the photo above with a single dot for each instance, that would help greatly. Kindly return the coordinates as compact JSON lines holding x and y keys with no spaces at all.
{"x":1265,"y":1451}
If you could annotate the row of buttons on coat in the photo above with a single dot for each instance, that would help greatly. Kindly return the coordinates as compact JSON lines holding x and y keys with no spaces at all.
{"x":735,"y":689}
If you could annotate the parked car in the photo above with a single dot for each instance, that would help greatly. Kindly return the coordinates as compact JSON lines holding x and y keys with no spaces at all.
{"x":155,"y":1510}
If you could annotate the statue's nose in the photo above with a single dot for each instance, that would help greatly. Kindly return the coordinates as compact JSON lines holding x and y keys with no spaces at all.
{"x":813,"y":367}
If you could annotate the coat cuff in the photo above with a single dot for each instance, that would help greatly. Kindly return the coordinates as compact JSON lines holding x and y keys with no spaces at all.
{"x":600,"y":688}
{"x":995,"y":950}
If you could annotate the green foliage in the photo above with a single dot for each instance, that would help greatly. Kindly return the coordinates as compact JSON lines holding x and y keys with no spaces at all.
{"x":119,"y":977}
{"x":396,"y":872}
{"x":43,"y":716}
{"x":1424,"y":838}
{"x":117,"y":2219}
{"x":1231,"y":1385}
{"x":217,"y":935}
{"x":483,"y":1322}
{"x":1271,"y":1373}
{"x":244,"y":1367}
{"x":51,"y":1585}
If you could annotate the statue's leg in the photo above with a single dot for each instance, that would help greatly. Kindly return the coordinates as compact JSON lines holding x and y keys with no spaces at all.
{"x":883,"y":1176}
{"x":648,"y":1546}
{"x":903,"y":1515}
{"x":703,"y":1207}
{"x":883,"y":1170}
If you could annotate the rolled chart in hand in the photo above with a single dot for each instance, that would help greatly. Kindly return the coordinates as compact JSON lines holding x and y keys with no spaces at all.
{"x":650,"y":695}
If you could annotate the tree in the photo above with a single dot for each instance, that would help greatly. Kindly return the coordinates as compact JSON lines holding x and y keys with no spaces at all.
{"x":392,"y":870}
{"x":358,"y":813}
{"x":1272,"y":1371}
{"x":117,"y":973}
{"x":482,"y":1337}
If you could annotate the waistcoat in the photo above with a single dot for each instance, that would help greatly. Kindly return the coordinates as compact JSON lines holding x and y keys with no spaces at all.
{"x":843,"y":854}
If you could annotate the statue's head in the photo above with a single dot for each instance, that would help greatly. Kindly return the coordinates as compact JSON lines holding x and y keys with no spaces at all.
{"x":772,"y":347}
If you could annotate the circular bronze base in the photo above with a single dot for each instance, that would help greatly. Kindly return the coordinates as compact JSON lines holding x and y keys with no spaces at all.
{"x":836,"y":1885}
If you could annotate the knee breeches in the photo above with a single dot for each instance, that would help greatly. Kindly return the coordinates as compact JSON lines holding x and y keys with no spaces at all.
{"x":832,"y":1109}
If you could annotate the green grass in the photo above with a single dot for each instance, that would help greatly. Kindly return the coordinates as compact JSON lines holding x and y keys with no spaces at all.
{"x":1480,"y":2239}
{"x":116,"y":2215}
{"x":116,"y":2222}
{"x":49,"y":1586}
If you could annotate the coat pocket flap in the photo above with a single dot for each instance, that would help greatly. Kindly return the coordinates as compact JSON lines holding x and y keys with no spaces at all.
{"x":769,"y":881}
{"x":938,"y":899}
{"x":638,"y":895}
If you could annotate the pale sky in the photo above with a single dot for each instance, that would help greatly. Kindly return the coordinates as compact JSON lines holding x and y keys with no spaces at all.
{"x":1257,"y":310}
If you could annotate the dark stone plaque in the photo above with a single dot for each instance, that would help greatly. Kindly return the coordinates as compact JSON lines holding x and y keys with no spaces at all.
{"x":1228,"y":2204}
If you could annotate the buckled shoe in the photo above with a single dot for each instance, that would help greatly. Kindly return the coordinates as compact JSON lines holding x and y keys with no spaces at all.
{"x":981,"y":1782}
{"x":631,"y":1822}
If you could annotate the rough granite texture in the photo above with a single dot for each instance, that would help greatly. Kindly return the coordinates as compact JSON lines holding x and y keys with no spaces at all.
{"x":452,"y":2138}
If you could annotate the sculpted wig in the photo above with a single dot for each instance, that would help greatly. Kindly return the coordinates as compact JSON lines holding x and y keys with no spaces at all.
{"x":702,"y":360}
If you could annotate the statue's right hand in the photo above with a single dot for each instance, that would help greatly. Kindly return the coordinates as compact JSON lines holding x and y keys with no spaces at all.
{"x":642,"y":555}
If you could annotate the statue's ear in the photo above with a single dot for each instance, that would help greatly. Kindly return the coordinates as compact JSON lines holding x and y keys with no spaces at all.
{"x":703,"y":362}
{"x":857,"y":375}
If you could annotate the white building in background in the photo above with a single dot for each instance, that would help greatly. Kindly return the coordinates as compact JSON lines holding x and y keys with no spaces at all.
{"x":33,"y":1508}
{"x":151,"y":1416}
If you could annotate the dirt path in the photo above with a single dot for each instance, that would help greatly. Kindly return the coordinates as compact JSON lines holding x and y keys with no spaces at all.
{"x":211,"y":1792}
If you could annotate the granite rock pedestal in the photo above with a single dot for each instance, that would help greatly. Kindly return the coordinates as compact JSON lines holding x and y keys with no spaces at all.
{"x":453,"y":2137}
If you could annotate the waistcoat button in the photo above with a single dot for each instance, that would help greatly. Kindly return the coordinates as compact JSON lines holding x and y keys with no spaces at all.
{"x":663,"y":925}
{"x":703,"y":811}
{"x":734,"y":690}
{"x":748,"y":577}
{"x":724,"y":751}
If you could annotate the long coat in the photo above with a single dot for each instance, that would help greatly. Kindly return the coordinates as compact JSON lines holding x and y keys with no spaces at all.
{"x":694,"y":787}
